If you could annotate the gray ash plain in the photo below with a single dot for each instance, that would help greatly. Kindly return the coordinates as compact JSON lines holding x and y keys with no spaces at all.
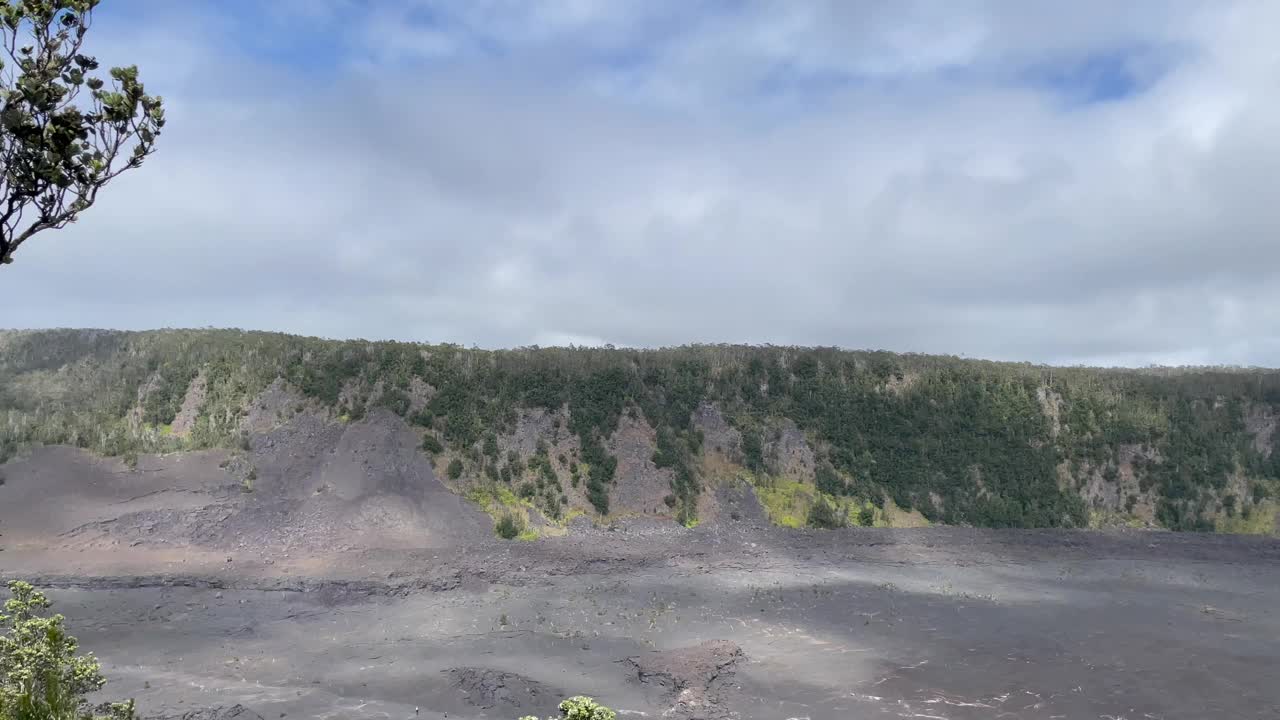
{"x":351,"y":583}
{"x":733,"y":621}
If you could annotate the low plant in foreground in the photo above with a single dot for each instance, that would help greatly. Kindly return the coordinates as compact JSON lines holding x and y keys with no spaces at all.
{"x":41,"y":676}
{"x":580,"y":707}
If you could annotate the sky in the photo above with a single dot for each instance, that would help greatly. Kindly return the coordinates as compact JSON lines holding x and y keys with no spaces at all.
{"x":1074,"y":183}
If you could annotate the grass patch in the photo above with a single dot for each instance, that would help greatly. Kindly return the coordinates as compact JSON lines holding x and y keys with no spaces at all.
{"x":786,"y":502}
{"x":511,"y":513}
{"x":789,"y":503}
{"x":1261,"y":520}
{"x":1106,"y":519}
{"x":494,"y":498}
{"x":894,"y":516}
{"x":862,"y":514}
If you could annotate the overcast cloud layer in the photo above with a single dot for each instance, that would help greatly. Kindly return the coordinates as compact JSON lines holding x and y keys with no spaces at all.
{"x":1087,"y":182}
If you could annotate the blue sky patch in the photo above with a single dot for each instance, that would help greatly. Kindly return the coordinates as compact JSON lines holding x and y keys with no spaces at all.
{"x":1102,"y":76}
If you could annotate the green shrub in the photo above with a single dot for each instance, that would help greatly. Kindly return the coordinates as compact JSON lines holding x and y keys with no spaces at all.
{"x":431,"y":444}
{"x":752,"y":452}
{"x":455,"y":469}
{"x":395,"y":400}
{"x":826,"y":480}
{"x":580,"y":708}
{"x":822,"y":514}
{"x":509,"y":526}
{"x":866,"y":516}
{"x":41,"y":676}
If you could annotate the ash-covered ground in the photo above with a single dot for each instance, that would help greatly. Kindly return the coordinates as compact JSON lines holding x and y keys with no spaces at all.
{"x":350,"y":584}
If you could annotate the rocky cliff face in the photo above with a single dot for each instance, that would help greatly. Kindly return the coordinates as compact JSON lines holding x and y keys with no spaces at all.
{"x":251,"y":438}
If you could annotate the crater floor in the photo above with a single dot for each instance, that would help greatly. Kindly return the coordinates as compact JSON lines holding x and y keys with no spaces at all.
{"x":734,"y":621}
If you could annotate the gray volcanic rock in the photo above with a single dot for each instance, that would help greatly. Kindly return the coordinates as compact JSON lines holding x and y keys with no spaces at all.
{"x":235,"y":712}
{"x":692,"y":678}
{"x":487,"y":688}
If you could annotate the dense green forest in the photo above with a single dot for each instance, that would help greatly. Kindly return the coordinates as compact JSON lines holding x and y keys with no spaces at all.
{"x":961,"y":441}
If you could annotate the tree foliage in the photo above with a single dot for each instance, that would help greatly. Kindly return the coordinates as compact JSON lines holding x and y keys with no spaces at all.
{"x":41,"y":675}
{"x":64,"y":132}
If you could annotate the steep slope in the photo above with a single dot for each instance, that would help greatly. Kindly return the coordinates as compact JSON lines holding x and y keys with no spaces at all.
{"x":309,"y":484}
{"x":344,"y":441}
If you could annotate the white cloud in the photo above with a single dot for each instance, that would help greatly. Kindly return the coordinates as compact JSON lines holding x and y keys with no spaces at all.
{"x":596,"y":172}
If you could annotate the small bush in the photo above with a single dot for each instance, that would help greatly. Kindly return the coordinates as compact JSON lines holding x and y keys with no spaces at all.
{"x":395,"y":400}
{"x":824,"y":515}
{"x":866,"y":516}
{"x":752,"y":452}
{"x":431,"y":444}
{"x":827,"y":481}
{"x":581,"y":708}
{"x":455,"y":469}
{"x":509,"y":526}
